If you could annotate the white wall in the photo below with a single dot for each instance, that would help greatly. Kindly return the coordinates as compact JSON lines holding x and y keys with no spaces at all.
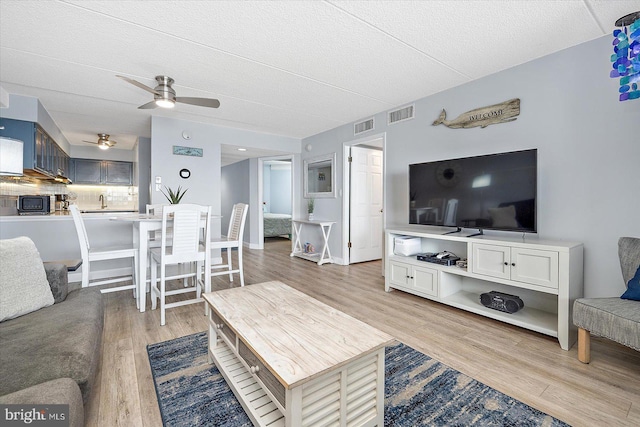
{"x":587,"y":141}
{"x":205,"y":182}
{"x":143,"y":163}
{"x":235,"y":188}
{"x":203,"y":186}
{"x":91,"y":151}
{"x":276,"y":191}
{"x":30,"y":109}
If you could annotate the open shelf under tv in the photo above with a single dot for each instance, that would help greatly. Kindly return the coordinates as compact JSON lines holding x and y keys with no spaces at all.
{"x":547,"y":275}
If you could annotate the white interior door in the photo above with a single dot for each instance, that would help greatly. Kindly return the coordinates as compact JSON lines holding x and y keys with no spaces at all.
{"x":366,"y":205}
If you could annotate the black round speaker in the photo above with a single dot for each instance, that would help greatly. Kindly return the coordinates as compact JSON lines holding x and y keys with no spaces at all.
{"x":485,"y":299}
{"x":511,"y":306}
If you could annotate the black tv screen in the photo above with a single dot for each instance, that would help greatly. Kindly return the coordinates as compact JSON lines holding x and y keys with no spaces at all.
{"x":496,"y":191}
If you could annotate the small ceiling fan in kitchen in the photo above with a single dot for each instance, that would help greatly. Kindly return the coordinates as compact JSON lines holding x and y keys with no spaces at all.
{"x":103,"y":141}
{"x":165,"y":96}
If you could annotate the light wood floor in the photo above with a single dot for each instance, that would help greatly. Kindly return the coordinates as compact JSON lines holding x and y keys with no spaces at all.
{"x":523,"y":364}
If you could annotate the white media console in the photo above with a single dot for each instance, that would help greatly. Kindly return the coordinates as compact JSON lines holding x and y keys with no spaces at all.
{"x":547,"y":275}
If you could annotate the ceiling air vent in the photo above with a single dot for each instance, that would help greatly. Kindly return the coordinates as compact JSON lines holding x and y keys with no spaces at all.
{"x":402,"y":114}
{"x":364,"y":126}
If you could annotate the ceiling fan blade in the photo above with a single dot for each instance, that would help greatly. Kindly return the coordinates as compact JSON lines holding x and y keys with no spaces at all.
{"x":89,"y":142}
{"x":137,"y":83}
{"x":148,"y":105}
{"x":202,"y":102}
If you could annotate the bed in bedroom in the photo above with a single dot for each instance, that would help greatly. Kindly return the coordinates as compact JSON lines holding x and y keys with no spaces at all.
{"x":276,"y":224}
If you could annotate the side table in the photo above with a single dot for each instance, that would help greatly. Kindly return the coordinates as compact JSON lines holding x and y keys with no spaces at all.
{"x":297,"y":248}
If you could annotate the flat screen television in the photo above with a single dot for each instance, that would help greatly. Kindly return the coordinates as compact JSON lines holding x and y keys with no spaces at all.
{"x":496,"y":191}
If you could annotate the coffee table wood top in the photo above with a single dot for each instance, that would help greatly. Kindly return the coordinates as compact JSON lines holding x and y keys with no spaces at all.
{"x":297,"y":337}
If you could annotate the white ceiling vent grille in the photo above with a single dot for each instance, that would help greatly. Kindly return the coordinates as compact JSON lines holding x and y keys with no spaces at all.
{"x":364,"y":126}
{"x":401,"y":115}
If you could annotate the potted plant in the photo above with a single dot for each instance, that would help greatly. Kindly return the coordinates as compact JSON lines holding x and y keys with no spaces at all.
{"x":174,"y":197}
{"x":310,"y":207}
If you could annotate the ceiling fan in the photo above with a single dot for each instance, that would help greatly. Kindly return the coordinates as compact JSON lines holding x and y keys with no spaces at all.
{"x":164,"y":96}
{"x":103,"y":141}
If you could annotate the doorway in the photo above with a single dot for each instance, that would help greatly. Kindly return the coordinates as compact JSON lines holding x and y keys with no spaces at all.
{"x":363,"y":191}
{"x":276,"y":196}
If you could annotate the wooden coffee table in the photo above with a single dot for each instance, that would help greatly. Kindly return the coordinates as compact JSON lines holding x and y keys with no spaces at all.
{"x":292,"y":360}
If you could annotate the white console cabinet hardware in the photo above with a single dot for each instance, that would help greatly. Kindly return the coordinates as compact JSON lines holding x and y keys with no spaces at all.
{"x":547,"y":275}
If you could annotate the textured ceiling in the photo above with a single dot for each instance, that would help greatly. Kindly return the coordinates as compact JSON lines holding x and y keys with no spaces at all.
{"x":278,"y":67}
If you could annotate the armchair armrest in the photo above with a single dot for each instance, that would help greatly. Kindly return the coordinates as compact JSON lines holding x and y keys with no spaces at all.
{"x":58,"y":280}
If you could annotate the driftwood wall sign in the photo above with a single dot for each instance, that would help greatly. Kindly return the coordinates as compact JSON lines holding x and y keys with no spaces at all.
{"x":499,"y":113}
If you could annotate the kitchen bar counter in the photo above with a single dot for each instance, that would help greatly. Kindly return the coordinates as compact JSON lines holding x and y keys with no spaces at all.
{"x":56,"y":239}
{"x":62,"y":215}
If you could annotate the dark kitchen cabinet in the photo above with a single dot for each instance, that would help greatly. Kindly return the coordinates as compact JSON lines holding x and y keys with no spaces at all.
{"x":41,"y":153}
{"x":86,"y":171}
{"x":61,"y":162}
{"x":120,"y":173}
{"x":110,"y":172}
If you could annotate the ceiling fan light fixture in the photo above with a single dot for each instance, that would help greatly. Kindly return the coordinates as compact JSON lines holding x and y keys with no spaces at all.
{"x":165,"y":103}
{"x":103,"y":145}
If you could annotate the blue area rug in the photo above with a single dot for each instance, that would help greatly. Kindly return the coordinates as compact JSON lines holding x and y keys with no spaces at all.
{"x":419,"y":391}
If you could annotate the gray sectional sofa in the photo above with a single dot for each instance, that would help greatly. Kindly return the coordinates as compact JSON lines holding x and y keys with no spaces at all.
{"x":50,"y":355}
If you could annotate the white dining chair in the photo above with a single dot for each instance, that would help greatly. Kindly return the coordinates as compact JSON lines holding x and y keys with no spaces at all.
{"x":90,"y":254}
{"x":154,"y":236}
{"x":187,"y":252}
{"x":154,"y":209}
{"x":233,"y":239}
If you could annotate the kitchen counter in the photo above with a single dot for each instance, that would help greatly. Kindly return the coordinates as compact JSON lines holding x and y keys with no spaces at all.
{"x":58,"y":215}
{"x":56,"y":238}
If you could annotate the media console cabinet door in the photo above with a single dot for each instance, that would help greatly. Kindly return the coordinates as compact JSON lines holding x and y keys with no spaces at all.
{"x":492,"y":260}
{"x":535,"y":266}
{"x":407,"y":276}
{"x":400,"y":273}
{"x":426,"y":280}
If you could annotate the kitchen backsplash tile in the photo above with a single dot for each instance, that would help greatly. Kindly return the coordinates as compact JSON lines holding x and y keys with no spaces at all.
{"x":116,"y":197}
{"x":29,"y":187}
{"x":87,"y":197}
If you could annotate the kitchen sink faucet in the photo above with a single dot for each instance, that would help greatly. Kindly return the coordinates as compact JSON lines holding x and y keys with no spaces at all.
{"x":102,"y":201}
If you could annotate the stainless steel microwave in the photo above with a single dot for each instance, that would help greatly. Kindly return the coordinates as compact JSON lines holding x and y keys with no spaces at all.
{"x":36,"y":205}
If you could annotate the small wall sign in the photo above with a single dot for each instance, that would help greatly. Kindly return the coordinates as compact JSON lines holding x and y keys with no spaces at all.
{"x":494,"y":114}
{"x":187,"y":151}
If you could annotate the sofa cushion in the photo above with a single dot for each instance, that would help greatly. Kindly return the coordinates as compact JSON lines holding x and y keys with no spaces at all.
{"x":633,"y":287}
{"x":612,"y":318}
{"x":62,"y":340}
{"x":23,"y":281}
{"x":63,"y":391}
{"x":58,"y":279}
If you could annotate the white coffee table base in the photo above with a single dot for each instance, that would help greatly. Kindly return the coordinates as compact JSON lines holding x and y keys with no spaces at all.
{"x":354,"y":393}
{"x":295,"y":361}
{"x":257,"y":403}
